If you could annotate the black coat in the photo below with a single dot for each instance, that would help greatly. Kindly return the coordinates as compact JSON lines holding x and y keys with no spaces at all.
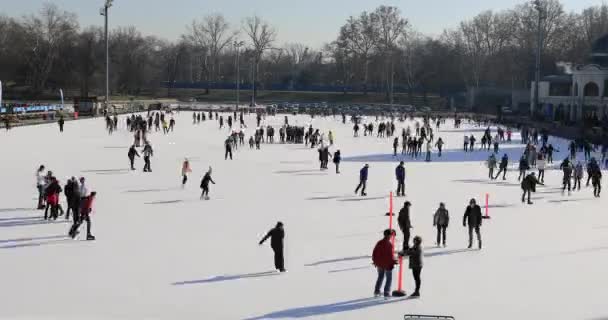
{"x":415,"y":255}
{"x":472,"y":216}
{"x":404,"y":219}
{"x":529,"y":183}
{"x":276,"y":236}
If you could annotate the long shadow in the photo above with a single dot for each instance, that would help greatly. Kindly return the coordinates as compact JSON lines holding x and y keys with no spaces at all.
{"x":296,"y":171}
{"x":113,"y":147}
{"x":228,"y":278}
{"x":32,"y":239}
{"x":314,"y":264}
{"x":312,"y":174}
{"x":149,"y":190}
{"x":164,"y":202}
{"x":497,"y":183}
{"x":31,"y":223}
{"x":567,"y":253}
{"x":19,"y":218}
{"x":502,"y":205}
{"x":105,"y":170}
{"x":295,"y":162}
{"x":349,"y":269}
{"x":362,"y":199}
{"x":447,"y":253}
{"x":112,"y":173}
{"x":35,"y":244}
{"x":324,"y":198}
{"x":570,"y":200}
{"x":325,"y":309}
{"x":2,"y":210}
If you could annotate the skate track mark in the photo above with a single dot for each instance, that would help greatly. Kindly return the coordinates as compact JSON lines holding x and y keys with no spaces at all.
{"x":115,"y":147}
{"x":33,"y":239}
{"x":448,"y":252}
{"x":31,"y":223}
{"x":296,"y":171}
{"x":228,"y":278}
{"x":569,"y":200}
{"x":20,"y":218}
{"x":2,"y":210}
{"x":324,"y":198}
{"x":314,"y":264}
{"x":36,"y":244}
{"x":311,"y":174}
{"x":566,"y":253}
{"x":326,"y":309}
{"x":105,"y":170}
{"x":296,"y":162}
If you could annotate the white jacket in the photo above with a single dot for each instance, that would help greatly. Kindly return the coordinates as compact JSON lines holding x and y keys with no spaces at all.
{"x":40,"y":180}
{"x":541,"y":164}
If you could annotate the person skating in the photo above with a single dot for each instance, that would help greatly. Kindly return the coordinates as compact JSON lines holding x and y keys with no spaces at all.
{"x":439,"y":144}
{"x":337,"y":159}
{"x":441,"y":220}
{"x":429,"y":148}
{"x":132,"y":154}
{"x":71,"y":192}
{"x":403,"y":220}
{"x":523,"y":167}
{"x":384,"y":261}
{"x":415,"y":255}
{"x":205,"y":185}
{"x":578,"y":175}
{"x":85,"y":215}
{"x":596,"y":181}
{"x":472,"y":217}
{"x":541,"y":164}
{"x":51,"y":193}
{"x":567,"y":170}
{"x":528,"y":185}
{"x":148,"y":152}
{"x":591,"y":165}
{"x":491,"y":166}
{"x":228,"y":147}
{"x":40,"y":184}
{"x":504,"y":163}
{"x":395,"y":146}
{"x":362,"y":180}
{"x":185,"y":170}
{"x":276,"y":235}
{"x":400,"y":175}
{"x":61,"y":122}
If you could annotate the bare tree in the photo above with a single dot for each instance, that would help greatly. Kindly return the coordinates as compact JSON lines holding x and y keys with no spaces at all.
{"x":391,"y":27}
{"x":360,"y":36}
{"x":262,"y":36}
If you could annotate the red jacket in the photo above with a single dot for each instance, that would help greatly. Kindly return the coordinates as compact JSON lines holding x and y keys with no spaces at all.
{"x":88,"y":205}
{"x":383,"y":255}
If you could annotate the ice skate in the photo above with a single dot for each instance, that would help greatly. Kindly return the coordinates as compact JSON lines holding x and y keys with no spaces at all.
{"x":90,"y":237}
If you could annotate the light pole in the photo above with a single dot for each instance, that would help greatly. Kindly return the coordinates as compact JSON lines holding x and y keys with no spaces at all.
{"x":539,"y":7}
{"x":104,"y":12}
{"x":238,"y":46}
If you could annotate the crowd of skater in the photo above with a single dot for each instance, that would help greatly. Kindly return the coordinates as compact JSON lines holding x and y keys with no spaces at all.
{"x":537,"y":155}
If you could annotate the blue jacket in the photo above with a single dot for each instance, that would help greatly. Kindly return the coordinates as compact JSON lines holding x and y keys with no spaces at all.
{"x":400,"y":173}
{"x":363,"y":174}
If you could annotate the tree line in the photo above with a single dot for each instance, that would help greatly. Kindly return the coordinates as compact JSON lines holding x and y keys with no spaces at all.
{"x":377,"y":51}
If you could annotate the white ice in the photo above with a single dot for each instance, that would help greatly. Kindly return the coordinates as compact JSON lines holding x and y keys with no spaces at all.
{"x":161,"y":253}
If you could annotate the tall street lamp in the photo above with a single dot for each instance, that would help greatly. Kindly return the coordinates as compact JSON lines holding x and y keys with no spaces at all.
{"x":104,"y":12}
{"x":539,"y":35}
{"x":238,"y":46}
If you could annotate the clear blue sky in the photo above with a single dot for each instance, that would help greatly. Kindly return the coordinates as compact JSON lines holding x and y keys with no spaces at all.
{"x":312,"y":22}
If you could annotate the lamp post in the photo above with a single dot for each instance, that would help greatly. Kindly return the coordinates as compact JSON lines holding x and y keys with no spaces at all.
{"x":238,"y":46}
{"x":104,"y":12}
{"x":539,"y":37}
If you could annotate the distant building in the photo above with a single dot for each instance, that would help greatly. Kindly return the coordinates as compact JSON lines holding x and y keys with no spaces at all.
{"x":582,"y":94}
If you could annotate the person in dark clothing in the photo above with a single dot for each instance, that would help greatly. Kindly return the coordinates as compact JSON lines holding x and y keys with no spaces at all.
{"x":567,"y":169}
{"x":362,"y":180}
{"x":61,"y":122}
{"x":276,"y":235}
{"x":51,"y":193}
{"x":400,"y":175}
{"x":383,"y":259}
{"x":528,"y":185}
{"x":472,"y":217}
{"x":205,"y":185}
{"x":415,"y":255}
{"x":228,"y":147}
{"x":132,"y":154}
{"x":596,"y":181}
{"x":523,"y":167}
{"x":148,"y":152}
{"x":441,"y":220}
{"x":87,"y":208}
{"x":71,"y":191}
{"x":395,"y":145}
{"x":337,"y":159}
{"x":504,"y":163}
{"x":405,"y":224}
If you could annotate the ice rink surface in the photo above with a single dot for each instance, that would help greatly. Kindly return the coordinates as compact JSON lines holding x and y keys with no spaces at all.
{"x":161,"y":253}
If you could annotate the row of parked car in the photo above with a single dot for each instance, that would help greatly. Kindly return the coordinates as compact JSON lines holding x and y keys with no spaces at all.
{"x":287,"y":107}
